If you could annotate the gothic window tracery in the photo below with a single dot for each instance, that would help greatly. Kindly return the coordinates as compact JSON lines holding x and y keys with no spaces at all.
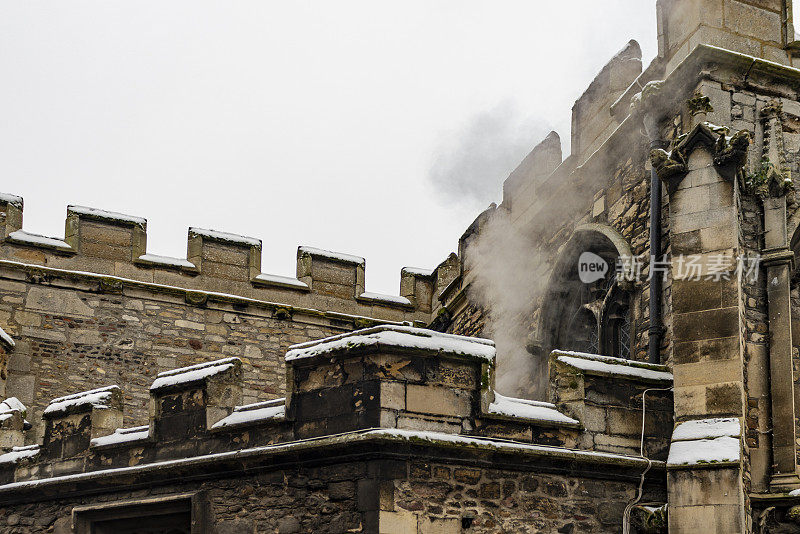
{"x":595,"y":317}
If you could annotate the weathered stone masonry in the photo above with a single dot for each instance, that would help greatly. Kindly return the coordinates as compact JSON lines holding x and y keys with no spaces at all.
{"x":95,"y":309}
{"x":394,"y":428}
{"x":404,"y":426}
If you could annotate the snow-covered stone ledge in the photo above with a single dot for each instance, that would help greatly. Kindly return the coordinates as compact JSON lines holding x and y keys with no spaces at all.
{"x":390,"y":337}
{"x":258,"y":413}
{"x":596,"y":364}
{"x":189,"y":401}
{"x":714,"y":442}
{"x":21,"y":237}
{"x":123,"y":437}
{"x":73,"y":420}
{"x":211,"y":465}
{"x":535,"y":412}
{"x":605,"y":394}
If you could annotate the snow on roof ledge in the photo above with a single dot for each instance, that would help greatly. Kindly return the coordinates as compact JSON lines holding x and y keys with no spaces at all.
{"x":707,"y":429}
{"x":712,"y":441}
{"x":543,"y":413}
{"x":193,"y":373}
{"x":104,"y":215}
{"x":417,"y":271}
{"x":122,"y":436}
{"x":6,"y":340}
{"x":14,"y":200}
{"x":225,"y":236}
{"x":391,"y":336}
{"x":380,"y":298}
{"x":711,"y":452}
{"x":252,"y":414}
{"x":19,"y":453}
{"x":95,"y":398}
{"x":21,"y":237}
{"x":346,"y":258}
{"x":609,"y":366}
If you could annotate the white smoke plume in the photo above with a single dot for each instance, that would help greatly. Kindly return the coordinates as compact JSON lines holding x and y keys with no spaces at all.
{"x":470,"y":167}
{"x":505,"y":269}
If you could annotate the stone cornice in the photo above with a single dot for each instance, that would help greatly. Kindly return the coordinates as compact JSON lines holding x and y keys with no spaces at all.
{"x":353,"y":446}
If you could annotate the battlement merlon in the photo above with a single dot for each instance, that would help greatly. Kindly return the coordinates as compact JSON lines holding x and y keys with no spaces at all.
{"x":115,"y":244}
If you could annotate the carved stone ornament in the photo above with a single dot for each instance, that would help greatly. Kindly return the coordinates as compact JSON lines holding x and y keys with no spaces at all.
{"x":729,"y":152}
{"x":699,"y":104}
{"x":772,"y":178}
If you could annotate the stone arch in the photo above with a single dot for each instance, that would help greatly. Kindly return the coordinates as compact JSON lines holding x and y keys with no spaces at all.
{"x":566,"y":294}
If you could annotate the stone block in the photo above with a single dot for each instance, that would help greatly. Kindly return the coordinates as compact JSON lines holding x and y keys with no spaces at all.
{"x":690,"y":402}
{"x":627,"y":422}
{"x":697,"y":487}
{"x":723,"y":217}
{"x":724,"y":399}
{"x":57,"y":302}
{"x":433,"y":525}
{"x":755,"y":21}
{"x":709,"y":372}
{"x":398,"y":522}
{"x":696,"y":295}
{"x":707,"y":350}
{"x":21,"y":386}
{"x":708,"y":324}
{"x":438,"y":400}
{"x":711,"y":519}
{"x":393,"y":395}
{"x":428,"y":424}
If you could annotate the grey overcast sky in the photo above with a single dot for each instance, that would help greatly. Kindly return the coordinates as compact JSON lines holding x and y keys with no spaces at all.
{"x":373,"y":128}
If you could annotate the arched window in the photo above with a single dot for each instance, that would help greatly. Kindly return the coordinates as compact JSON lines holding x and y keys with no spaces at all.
{"x":588,"y":317}
{"x":616,"y":323}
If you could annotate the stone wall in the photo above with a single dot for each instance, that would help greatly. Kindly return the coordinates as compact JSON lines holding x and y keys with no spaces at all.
{"x":96,"y":309}
{"x":387,"y":496}
{"x":405,"y":423}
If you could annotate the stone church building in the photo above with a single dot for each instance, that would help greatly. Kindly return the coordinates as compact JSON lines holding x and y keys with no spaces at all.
{"x":636,"y":376}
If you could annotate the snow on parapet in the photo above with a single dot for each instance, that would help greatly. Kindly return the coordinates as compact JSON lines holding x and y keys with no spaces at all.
{"x":607,"y":365}
{"x":19,"y":453}
{"x":385,"y":299}
{"x":21,"y":237}
{"x":169,"y":261}
{"x":705,"y":441}
{"x":335,"y":256}
{"x":396,"y":337}
{"x":96,"y":398}
{"x":122,"y":436}
{"x":224,"y":236}
{"x":707,"y":429}
{"x":6,"y":339}
{"x":340,"y":280}
{"x":255,"y":413}
{"x":417,"y":271}
{"x":111,"y":216}
{"x":540,"y":412}
{"x":11,"y":405}
{"x":285,"y":281}
{"x":193,"y":373}
{"x":14,"y":200}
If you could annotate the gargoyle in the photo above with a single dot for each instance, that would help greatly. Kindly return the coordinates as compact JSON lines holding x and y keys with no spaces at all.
{"x":731,"y":153}
{"x":667,"y":164}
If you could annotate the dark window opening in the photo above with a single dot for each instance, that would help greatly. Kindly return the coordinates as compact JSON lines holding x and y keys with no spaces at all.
{"x":170,"y":514}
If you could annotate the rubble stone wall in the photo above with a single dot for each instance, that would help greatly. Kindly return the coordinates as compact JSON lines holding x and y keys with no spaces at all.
{"x":376,"y":496}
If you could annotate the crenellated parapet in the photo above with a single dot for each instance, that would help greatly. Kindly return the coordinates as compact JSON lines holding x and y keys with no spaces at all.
{"x":376,"y":385}
{"x":109,"y":244}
